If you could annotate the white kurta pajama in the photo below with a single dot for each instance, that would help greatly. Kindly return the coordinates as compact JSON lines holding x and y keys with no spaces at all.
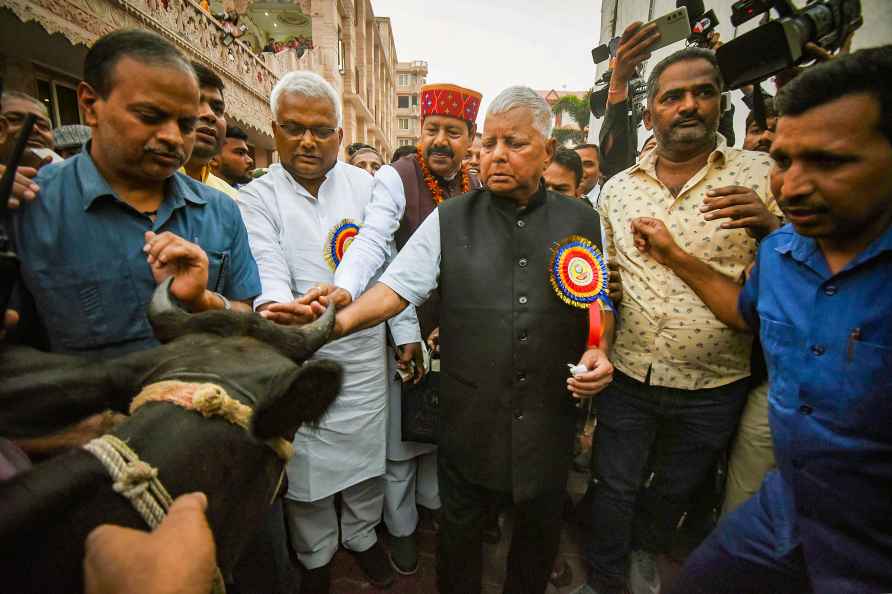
{"x":289,"y":231}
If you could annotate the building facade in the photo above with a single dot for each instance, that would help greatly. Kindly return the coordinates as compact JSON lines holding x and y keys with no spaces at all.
{"x":250,"y":44}
{"x":410,"y":77}
{"x":43,"y":44}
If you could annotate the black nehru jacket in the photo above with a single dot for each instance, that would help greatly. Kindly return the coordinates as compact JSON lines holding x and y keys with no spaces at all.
{"x":507,"y":418}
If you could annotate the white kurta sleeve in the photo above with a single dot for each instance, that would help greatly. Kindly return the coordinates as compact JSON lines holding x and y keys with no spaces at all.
{"x":263,"y":236}
{"x":404,"y":327}
{"x":415,"y":271}
{"x":371,"y":248}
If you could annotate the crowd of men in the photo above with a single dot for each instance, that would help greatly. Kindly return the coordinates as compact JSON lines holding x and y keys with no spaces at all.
{"x":744,"y":315}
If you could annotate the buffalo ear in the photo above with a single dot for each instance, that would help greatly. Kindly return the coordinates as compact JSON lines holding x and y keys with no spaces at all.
{"x":313,"y":388}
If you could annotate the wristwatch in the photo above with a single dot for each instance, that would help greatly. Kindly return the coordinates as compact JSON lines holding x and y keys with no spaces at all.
{"x":226,"y":304}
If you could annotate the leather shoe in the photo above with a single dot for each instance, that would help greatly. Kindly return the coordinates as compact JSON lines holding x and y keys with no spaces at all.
{"x":375,"y":565}
{"x":315,"y":581}
{"x":403,"y":554}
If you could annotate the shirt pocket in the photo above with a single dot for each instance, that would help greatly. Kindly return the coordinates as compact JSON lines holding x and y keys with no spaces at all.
{"x":89,"y":306}
{"x":868,"y":370}
{"x":218,"y":268}
{"x":780,"y":345}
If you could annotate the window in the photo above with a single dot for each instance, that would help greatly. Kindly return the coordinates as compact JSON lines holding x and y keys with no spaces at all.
{"x":404,"y":123}
{"x":341,"y":58}
{"x":402,"y":101}
{"x":415,"y":100}
{"x":404,"y":80}
{"x":45,"y":94}
{"x":66,"y":103}
{"x":406,"y":142}
{"x":60,"y":99}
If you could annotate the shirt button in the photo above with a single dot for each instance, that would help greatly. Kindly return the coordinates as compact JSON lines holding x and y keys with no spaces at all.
{"x":818,"y":350}
{"x":830,"y":290}
{"x":521,"y":377}
{"x":523,"y":336}
{"x":522,"y":300}
{"x":522,"y":262}
{"x":521,"y":224}
{"x":806,"y":409}
{"x":518,"y":414}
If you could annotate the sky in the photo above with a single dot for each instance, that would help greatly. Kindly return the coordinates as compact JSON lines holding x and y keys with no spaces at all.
{"x":488,"y":45}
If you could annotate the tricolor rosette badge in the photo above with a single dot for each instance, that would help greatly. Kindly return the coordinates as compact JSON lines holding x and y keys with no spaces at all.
{"x":580,"y":278}
{"x":339,"y":239}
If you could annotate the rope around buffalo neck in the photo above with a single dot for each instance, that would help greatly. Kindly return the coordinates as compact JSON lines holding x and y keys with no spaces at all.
{"x":210,"y":400}
{"x":138,"y":482}
{"x":132,"y":478}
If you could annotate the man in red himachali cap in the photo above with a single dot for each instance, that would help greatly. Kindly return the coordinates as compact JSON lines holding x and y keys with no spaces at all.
{"x":403,"y":195}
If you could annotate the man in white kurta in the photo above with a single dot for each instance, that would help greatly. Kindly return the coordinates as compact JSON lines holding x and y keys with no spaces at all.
{"x":291,"y":234}
{"x":298,"y":236}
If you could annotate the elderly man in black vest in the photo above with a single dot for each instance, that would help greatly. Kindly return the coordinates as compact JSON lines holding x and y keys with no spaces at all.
{"x":511,"y":261}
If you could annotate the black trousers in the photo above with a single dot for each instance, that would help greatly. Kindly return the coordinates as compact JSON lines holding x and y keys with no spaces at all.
{"x":534,"y":544}
{"x":682,"y":433}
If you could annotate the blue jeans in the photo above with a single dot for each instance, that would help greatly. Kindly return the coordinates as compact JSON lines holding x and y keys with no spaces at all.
{"x":679,"y":434}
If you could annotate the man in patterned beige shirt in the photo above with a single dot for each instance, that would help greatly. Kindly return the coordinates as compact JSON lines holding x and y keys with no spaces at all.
{"x":681,"y":377}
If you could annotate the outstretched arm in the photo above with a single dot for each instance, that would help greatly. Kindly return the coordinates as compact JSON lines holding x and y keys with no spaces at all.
{"x":410,"y":278}
{"x":371,"y":247}
{"x":378,"y":304}
{"x":717,"y":291}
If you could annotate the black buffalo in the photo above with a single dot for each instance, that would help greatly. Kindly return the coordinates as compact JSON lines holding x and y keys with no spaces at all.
{"x":47,"y":512}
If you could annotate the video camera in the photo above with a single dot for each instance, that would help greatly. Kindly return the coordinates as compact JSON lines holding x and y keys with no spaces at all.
{"x":703,"y":22}
{"x":779,"y":44}
{"x":637,"y":86}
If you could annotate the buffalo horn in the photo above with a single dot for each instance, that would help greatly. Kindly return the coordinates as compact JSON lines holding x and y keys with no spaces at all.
{"x":314,"y":335}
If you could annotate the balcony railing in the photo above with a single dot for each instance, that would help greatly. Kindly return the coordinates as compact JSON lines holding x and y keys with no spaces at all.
{"x":248,"y":79}
{"x":288,"y":60}
{"x":202,"y":35}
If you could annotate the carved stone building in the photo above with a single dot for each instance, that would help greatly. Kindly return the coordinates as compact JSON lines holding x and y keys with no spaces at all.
{"x":410,"y":77}
{"x":43,"y":44}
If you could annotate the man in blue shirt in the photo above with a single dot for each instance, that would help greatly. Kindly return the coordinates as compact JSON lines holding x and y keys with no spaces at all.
{"x":819,"y":296}
{"x":109,"y":224}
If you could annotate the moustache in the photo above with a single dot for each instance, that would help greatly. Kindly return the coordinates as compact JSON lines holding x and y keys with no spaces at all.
{"x":440,"y":150}
{"x":179,"y":155}
{"x":686,"y":121}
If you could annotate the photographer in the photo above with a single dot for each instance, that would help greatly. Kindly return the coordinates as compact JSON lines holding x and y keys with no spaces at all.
{"x":618,"y":136}
{"x":819,"y":298}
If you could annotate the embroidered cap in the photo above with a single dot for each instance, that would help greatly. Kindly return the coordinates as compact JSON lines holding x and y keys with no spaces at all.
{"x":450,"y":100}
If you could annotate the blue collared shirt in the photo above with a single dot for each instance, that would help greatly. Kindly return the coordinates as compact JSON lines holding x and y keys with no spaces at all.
{"x":82,"y":260}
{"x":828,"y":345}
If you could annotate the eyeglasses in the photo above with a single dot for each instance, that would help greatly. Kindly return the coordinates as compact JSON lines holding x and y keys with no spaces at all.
{"x":297,"y":131}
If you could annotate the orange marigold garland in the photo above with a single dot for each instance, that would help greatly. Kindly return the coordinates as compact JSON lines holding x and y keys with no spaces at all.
{"x":434,"y":186}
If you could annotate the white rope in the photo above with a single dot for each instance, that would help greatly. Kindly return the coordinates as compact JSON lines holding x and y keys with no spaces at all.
{"x":132,"y":478}
{"x":138,"y":482}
